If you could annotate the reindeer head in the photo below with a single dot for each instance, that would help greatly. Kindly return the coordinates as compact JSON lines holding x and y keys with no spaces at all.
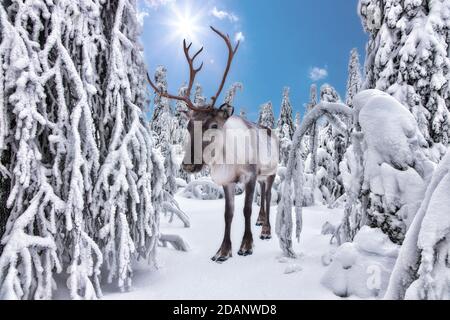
{"x":206,"y":118}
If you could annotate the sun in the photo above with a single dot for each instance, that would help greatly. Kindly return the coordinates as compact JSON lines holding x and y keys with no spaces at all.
{"x":184,"y":23}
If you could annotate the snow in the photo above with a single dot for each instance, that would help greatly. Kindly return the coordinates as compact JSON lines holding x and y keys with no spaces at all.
{"x":382,"y":113}
{"x":264,"y":275}
{"x":362,"y":268}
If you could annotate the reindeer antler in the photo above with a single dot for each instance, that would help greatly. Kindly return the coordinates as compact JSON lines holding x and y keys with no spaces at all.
{"x":192,"y":74}
{"x":231,"y":53}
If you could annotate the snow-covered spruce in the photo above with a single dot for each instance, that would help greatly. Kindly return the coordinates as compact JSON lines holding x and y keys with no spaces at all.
{"x":354,"y":81}
{"x":286,"y":116}
{"x":180,"y":133}
{"x":122,"y":193}
{"x":48,"y":144}
{"x":232,"y":91}
{"x":199,"y":98}
{"x":79,"y":200}
{"x":266,"y":116}
{"x":407,"y":56}
{"x":421,"y":271}
{"x":169,"y":135}
{"x":330,"y":152}
{"x":161,"y":123}
{"x":285,"y":127}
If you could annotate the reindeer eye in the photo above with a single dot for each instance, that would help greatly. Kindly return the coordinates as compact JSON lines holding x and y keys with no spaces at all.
{"x":214,"y":126}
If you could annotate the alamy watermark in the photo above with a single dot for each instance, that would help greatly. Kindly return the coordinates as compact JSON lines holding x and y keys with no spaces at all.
{"x":249,"y":146}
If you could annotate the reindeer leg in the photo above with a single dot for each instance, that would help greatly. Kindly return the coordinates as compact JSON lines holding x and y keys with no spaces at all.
{"x":224,"y":252}
{"x":262,"y":212}
{"x":266,"y":233}
{"x":247,"y":242}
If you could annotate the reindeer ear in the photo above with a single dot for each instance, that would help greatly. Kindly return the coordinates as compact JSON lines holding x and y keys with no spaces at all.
{"x":226,"y":110}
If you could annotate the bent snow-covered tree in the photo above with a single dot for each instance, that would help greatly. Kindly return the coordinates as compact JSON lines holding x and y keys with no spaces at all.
{"x":284,"y":217}
{"x":396,"y":169}
{"x":78,"y":150}
{"x":330,"y":152}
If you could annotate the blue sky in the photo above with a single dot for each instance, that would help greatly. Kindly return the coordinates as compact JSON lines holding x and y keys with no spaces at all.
{"x":283,"y":42}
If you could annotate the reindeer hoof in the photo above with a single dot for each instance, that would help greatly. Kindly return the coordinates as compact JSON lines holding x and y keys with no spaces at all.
{"x":265,"y":236}
{"x":266,"y":233}
{"x":220,"y":258}
{"x":245,"y":253}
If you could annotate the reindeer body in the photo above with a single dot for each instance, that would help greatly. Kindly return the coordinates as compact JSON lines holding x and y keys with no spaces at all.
{"x":254,"y":160}
{"x":259,"y":164}
{"x":261,"y":154}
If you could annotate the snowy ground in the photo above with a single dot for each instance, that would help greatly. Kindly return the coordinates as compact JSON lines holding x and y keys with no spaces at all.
{"x":193,"y":275}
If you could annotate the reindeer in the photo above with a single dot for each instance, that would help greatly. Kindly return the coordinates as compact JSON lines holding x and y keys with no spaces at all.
{"x":260,"y":147}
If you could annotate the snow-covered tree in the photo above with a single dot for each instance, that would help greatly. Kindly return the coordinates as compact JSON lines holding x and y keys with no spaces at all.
{"x":181,"y":119}
{"x":291,"y":191}
{"x":332,"y":146}
{"x":313,"y":133}
{"x":266,"y":116}
{"x":354,"y":81}
{"x":422,"y":268}
{"x":407,"y":56}
{"x":286,"y":117}
{"x":46,"y":136}
{"x":395,"y":171}
{"x":162,"y":119}
{"x":72,"y":85}
{"x":179,"y":134}
{"x":285,"y":127}
{"x":168,"y":130}
{"x":329,"y":94}
{"x":231,"y":93}
{"x":199,"y":99}
{"x":285,"y":145}
{"x":122,"y":193}
{"x":309,"y":147}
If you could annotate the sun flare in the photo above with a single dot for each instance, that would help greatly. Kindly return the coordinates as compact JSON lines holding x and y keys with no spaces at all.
{"x":184,"y":23}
